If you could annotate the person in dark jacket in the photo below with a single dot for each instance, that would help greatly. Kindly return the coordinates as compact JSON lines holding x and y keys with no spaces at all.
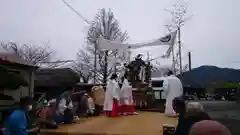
{"x":193,"y":113}
{"x":180,"y":108}
{"x":18,"y":121}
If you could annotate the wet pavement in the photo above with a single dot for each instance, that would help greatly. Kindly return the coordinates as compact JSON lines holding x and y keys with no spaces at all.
{"x":226,"y":112}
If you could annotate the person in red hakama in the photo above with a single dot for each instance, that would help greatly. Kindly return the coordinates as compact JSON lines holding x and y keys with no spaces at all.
{"x":112,"y":94}
{"x":127,"y":105}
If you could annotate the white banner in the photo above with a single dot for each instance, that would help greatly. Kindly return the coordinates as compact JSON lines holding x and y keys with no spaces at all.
{"x":104,"y":44}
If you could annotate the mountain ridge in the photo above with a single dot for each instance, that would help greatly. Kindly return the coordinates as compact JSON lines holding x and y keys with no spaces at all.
{"x":206,"y":75}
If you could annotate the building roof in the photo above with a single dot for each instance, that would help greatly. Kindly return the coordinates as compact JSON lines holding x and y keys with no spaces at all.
{"x":56,"y":77}
{"x":10,"y":58}
{"x":15,"y":64}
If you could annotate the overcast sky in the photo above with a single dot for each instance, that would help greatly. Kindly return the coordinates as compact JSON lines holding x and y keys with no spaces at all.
{"x":212,"y":35}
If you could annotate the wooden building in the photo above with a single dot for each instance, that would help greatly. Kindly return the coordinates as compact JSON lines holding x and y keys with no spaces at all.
{"x":19,"y":74}
{"x":55,"y":81}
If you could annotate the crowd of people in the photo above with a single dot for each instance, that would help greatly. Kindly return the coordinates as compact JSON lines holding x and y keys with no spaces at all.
{"x":116,"y":101}
{"x":64,"y":109}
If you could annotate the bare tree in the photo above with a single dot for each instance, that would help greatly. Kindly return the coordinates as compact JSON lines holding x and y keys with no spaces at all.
{"x":178,"y":18}
{"x":30,"y":53}
{"x":104,"y":25}
{"x":84,"y":65}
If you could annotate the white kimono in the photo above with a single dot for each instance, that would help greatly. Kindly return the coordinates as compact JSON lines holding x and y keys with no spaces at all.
{"x":112,"y":91}
{"x":126,"y":93}
{"x":173,"y":88}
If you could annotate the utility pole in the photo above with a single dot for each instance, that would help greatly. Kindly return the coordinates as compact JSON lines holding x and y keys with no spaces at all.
{"x":105,"y":74}
{"x":180,"y":49}
{"x":189,"y":61}
{"x":173,"y":60}
{"x":95,"y":63}
{"x":129,"y":56}
{"x":115,"y":62}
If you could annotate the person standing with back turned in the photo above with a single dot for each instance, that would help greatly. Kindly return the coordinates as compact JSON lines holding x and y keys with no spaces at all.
{"x":112,"y":95}
{"x":173,"y":88}
{"x":126,"y":98}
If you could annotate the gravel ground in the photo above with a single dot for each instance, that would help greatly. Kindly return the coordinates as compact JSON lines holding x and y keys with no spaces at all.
{"x":226,"y":112}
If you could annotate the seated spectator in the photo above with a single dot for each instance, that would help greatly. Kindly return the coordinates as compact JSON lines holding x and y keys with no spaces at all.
{"x":47,"y":115}
{"x":90,"y":104}
{"x":82,"y":105}
{"x":208,"y":127}
{"x":65,"y":107}
{"x":98,"y":94}
{"x":180,"y":108}
{"x":194,"y":113}
{"x":18,"y":121}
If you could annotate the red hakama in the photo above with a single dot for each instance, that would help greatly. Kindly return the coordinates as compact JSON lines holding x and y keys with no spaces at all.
{"x":115,"y":109}
{"x":127,"y":107}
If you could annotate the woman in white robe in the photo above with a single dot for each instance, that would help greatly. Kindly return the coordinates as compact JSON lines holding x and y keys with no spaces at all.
{"x":173,"y":88}
{"x":127,"y":106}
{"x":112,"y":96}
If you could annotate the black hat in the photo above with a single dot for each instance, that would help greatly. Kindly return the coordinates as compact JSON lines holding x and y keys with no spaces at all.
{"x":170,"y":72}
{"x":114,"y":76}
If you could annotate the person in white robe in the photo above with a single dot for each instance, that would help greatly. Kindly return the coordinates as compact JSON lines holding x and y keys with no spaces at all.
{"x":126,"y":100}
{"x":173,"y":88}
{"x":112,"y":96}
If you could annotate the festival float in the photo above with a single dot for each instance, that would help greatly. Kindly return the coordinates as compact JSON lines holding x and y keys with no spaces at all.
{"x":139,"y":76}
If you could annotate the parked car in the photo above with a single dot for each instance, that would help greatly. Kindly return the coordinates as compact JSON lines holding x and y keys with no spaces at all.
{"x":190,"y":97}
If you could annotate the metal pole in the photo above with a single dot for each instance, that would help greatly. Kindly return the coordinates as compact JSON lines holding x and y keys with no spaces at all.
{"x":173,"y":60}
{"x":105,"y":74}
{"x":189,"y":61}
{"x":115,"y":62}
{"x":129,"y":56}
{"x":179,"y":47}
{"x":95,"y":64}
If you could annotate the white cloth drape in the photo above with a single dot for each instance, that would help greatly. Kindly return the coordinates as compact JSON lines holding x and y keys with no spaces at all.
{"x":142,"y":74}
{"x":104,"y":44}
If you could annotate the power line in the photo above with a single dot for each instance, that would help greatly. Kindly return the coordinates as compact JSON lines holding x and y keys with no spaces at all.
{"x":75,"y":11}
{"x":88,"y":22}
